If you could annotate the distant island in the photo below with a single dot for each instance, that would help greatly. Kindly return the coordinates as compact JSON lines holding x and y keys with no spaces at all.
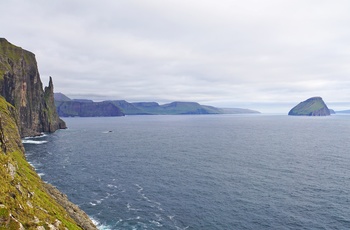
{"x":343,"y":111}
{"x":314,"y":106}
{"x":67,"y":107}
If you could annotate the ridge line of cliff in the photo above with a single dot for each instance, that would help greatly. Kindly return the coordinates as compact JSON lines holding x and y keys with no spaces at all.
{"x":26,"y":109}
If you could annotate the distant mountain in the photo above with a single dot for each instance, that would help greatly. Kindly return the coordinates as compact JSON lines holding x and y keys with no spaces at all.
{"x":175,"y":108}
{"x":67,"y":107}
{"x":314,"y":106}
{"x":128,"y":108}
{"x":343,"y":111}
{"x":87,"y":109}
{"x":83,"y":100}
{"x":61,"y":97}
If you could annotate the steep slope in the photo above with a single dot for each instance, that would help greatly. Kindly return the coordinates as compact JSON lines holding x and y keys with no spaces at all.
{"x":24,"y":199}
{"x":314,"y":106}
{"x":87,"y":109}
{"x":21,"y":86}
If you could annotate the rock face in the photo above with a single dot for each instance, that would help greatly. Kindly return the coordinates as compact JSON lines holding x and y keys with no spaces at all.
{"x":87,"y":109}
{"x":314,"y":106}
{"x":21,"y":86}
{"x":26,"y":202}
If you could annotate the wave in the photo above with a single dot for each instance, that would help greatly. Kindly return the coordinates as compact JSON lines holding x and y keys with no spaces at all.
{"x":41,"y":174}
{"x":110,"y":131}
{"x":36,"y":137}
{"x":99,"y":225}
{"x":26,"y":141}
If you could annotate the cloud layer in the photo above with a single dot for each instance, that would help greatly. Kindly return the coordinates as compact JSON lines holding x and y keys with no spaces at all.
{"x":223,"y":53}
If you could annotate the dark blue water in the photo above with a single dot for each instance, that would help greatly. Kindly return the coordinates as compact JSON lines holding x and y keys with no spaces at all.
{"x":202,"y":172}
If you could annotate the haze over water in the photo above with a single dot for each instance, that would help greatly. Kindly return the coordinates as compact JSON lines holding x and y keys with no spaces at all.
{"x":202,"y":171}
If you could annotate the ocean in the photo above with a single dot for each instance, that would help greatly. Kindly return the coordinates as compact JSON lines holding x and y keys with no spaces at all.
{"x":202,"y":171}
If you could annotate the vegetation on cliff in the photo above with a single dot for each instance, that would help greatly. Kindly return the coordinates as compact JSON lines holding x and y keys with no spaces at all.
{"x":314,"y":106}
{"x":24,"y":201}
{"x":21,"y":86}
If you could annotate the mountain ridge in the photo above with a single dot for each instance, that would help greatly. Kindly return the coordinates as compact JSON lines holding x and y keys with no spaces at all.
{"x":147,"y":108}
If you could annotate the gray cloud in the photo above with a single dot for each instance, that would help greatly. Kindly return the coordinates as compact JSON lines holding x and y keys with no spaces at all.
{"x":225,"y":53}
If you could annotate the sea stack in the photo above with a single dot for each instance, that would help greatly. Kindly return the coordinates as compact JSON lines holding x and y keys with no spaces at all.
{"x":314,"y":106}
{"x":21,"y":86}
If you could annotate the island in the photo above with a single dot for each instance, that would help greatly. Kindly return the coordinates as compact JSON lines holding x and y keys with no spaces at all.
{"x":314,"y":106}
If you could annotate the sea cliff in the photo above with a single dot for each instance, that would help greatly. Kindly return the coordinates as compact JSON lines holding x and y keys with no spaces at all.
{"x":21,"y":86}
{"x":26,"y":202}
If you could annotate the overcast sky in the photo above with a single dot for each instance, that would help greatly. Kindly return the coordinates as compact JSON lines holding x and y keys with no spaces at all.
{"x":227,"y":53}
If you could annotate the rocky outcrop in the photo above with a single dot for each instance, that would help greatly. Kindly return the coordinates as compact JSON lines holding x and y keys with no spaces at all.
{"x":26,"y":202}
{"x":21,"y":86}
{"x":314,"y":106}
{"x":74,"y":211}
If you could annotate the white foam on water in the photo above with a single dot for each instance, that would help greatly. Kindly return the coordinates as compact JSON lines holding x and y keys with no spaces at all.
{"x":36,"y":137}
{"x":128,"y":206}
{"x":156,"y":223}
{"x":41,"y":174}
{"x":33,"y":142}
{"x":99,"y":225}
{"x":110,"y":131}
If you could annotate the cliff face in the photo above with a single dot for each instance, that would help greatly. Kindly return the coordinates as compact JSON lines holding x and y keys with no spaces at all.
{"x":21,"y":86}
{"x":26,"y":202}
{"x":87,"y":109}
{"x":314,"y":106}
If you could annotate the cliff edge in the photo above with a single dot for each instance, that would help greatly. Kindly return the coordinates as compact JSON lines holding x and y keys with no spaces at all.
{"x":21,"y":86}
{"x":314,"y":106}
{"x":26,"y":202}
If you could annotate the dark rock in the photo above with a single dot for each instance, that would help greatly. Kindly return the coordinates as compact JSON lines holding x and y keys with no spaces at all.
{"x":21,"y":86}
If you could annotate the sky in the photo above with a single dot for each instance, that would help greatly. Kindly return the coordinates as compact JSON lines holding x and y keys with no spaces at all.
{"x":264,"y":55}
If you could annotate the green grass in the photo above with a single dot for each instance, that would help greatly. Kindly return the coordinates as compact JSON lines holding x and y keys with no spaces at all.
{"x":26,"y":186}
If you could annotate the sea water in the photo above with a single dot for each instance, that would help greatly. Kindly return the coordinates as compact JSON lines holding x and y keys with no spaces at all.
{"x":202,"y":171}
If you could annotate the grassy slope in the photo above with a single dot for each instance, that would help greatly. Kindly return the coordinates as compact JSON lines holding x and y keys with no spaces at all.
{"x":308,"y":106}
{"x":23,"y":199}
